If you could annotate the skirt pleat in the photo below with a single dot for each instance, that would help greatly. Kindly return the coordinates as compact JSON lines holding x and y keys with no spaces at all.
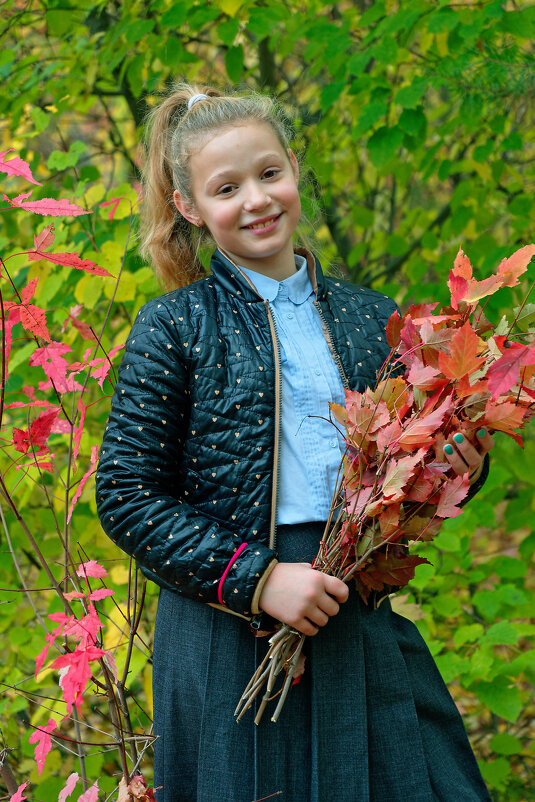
{"x":370,"y":721}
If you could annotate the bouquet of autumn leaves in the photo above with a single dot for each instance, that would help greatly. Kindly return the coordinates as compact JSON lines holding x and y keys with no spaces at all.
{"x":449,"y":370}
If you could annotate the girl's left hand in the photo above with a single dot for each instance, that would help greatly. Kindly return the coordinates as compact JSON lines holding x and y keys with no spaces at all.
{"x":464,"y":454}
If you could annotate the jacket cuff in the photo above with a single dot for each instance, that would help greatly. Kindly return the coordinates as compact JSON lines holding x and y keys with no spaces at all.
{"x":255,"y":609}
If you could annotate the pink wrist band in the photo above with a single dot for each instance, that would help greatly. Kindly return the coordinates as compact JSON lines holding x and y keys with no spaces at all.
{"x":227,"y":569}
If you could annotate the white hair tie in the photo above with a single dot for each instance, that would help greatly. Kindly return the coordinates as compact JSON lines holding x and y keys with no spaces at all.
{"x":195,"y":99}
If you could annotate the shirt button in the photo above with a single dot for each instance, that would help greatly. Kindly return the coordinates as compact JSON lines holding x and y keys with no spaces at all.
{"x":317,"y":371}
{"x":333,"y":443}
{"x":289,"y":315}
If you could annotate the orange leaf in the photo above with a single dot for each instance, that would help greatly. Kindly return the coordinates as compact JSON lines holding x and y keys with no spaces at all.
{"x":510,"y":269}
{"x":463,"y":359}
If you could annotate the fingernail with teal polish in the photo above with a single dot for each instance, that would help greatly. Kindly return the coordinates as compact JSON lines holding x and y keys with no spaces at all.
{"x":481,"y":432}
{"x":458,"y":437}
{"x":448,"y":449}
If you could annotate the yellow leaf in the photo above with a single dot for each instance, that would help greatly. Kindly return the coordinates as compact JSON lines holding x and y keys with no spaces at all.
{"x":230,"y":7}
{"x":119,"y":574}
{"x":147,"y":684}
{"x":409,"y":610}
{"x":94,"y":195}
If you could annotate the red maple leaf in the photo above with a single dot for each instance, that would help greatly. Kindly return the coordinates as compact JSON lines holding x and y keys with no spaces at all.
{"x":44,"y":239}
{"x":69,"y":260}
{"x":418,"y":430}
{"x":27,"y":292}
{"x":462,"y":359}
{"x":453,"y":492}
{"x":457,"y":286}
{"x":42,"y":426}
{"x":504,"y":417}
{"x":16,"y":166}
{"x":398,"y":475}
{"x":505,"y":372}
{"x":46,"y":206}
{"x":511,"y":268}
{"x":394,"y":568}
{"x":393,"y":329}
{"x":41,"y":737}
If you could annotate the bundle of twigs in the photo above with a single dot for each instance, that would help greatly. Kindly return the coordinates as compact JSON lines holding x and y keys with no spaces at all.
{"x":461,"y":373}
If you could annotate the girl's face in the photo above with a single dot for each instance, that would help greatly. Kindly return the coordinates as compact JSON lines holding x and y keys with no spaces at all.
{"x":245,"y":191}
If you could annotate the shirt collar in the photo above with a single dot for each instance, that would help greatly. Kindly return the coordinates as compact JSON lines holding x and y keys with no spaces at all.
{"x":298,"y":285}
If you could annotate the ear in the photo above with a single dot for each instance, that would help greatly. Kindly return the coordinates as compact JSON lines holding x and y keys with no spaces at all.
{"x":295,"y":164}
{"x":187,"y":210}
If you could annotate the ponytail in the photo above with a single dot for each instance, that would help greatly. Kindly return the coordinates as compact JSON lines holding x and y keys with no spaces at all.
{"x":174,"y":132}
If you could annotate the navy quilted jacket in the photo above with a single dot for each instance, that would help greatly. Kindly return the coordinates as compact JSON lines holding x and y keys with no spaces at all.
{"x":189,"y":463}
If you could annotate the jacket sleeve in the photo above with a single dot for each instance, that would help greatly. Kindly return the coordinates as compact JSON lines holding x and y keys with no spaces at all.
{"x":138,"y":500}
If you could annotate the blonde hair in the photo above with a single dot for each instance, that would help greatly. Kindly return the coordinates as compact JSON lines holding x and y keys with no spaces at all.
{"x":174,"y":133}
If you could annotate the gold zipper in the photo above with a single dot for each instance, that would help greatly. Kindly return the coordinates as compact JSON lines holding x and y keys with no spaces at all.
{"x":276,"y":444}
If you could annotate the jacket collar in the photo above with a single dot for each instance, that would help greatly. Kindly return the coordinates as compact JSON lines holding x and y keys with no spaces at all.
{"x":232,"y":278}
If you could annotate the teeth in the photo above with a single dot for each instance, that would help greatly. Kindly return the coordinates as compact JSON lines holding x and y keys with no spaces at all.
{"x":262,"y":225}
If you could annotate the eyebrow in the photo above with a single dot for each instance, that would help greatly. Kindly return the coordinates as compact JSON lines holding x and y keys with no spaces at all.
{"x":226,"y":173}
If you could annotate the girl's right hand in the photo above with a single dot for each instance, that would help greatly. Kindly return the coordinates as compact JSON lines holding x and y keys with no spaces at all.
{"x":301,"y":596}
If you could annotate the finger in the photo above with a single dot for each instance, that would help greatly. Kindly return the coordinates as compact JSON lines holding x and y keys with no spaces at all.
{"x":467,"y":450}
{"x":329,"y":605}
{"x":306,"y":627}
{"x":318,"y":617}
{"x":335,"y":587}
{"x":454,"y":458}
{"x":486,"y":442}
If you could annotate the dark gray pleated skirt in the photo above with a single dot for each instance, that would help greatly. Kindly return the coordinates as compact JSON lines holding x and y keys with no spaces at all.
{"x":370,"y":721}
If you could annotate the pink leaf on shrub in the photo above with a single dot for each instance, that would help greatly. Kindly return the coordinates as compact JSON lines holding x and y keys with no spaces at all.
{"x":92,"y":568}
{"x":33,"y":319}
{"x":27,"y":292}
{"x":101,"y":372}
{"x":74,"y":594}
{"x":41,"y":737}
{"x":74,"y":682}
{"x":83,"y":480}
{"x":17,"y":796}
{"x":50,"y":637}
{"x":101,"y":593}
{"x":69,"y":260}
{"x":16,"y":166}
{"x":47,"y":206}
{"x":44,"y":239}
{"x":91,"y":795}
{"x":114,"y":202}
{"x":51,"y":360}
{"x":70,"y":785}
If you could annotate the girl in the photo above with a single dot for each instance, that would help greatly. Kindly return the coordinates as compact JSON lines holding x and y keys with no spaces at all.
{"x":216,"y":474}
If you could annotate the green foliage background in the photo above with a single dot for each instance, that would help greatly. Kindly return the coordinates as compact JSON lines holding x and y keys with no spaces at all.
{"x":416,"y":119}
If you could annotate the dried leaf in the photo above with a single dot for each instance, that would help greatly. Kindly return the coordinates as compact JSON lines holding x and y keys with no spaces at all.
{"x":452,"y":494}
{"x":463,"y":359}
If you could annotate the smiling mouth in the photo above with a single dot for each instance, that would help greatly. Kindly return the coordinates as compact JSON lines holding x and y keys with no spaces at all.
{"x":263,"y":223}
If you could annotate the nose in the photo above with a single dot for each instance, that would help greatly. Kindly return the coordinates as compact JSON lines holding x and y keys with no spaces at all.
{"x":256,"y":197}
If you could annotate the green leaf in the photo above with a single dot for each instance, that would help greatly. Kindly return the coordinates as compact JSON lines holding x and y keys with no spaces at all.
{"x":227,"y":31}
{"x":509,"y":567}
{"x":487,"y":602}
{"x":446,"y":605}
{"x":500,"y":633}
{"x":451,"y":665}
{"x":409,"y":96}
{"x":331,"y":93}
{"x":413,"y":122}
{"x":371,"y":113}
{"x":383,"y":145}
{"x":445,"y":19}
{"x":175,"y":17}
{"x":467,"y":634}
{"x":138,"y":29}
{"x":358,"y":63}
{"x":40,"y":119}
{"x":505,"y":744}
{"x":496,"y":772}
{"x":234,"y":62}
{"x":501,"y":697}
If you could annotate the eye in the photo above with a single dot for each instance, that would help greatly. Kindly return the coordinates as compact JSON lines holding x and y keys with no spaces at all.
{"x":271,"y":172}
{"x":226,"y":189}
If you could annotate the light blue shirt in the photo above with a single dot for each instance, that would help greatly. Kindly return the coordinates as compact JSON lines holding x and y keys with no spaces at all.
{"x":311,"y":448}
